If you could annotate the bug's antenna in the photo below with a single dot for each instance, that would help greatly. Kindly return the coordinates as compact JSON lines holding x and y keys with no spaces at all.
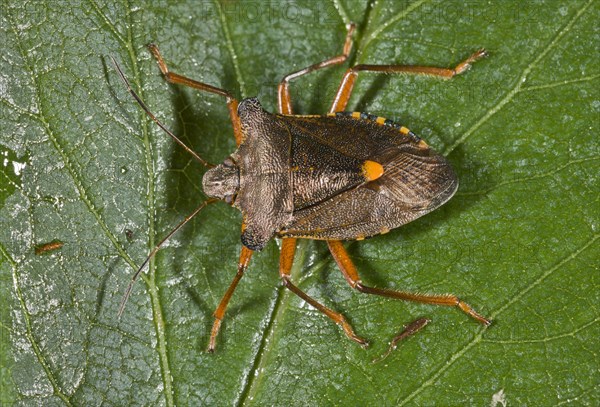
{"x":156,"y":249}
{"x":149,"y":113}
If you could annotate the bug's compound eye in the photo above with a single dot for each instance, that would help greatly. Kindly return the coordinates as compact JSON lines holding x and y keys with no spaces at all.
{"x":222,"y":181}
{"x":249,"y":106}
{"x":230,"y":199}
{"x":228,"y":162}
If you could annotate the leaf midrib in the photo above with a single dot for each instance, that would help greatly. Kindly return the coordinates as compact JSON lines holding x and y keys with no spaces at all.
{"x":519,"y":82}
{"x":431,"y":380}
{"x":157,"y":312}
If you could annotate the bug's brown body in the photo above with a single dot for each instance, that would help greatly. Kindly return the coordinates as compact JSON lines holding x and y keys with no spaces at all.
{"x":303,"y":176}
{"x":334,"y":177}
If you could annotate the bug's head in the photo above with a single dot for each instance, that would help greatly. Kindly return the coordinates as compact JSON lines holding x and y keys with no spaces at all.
{"x":223,"y":181}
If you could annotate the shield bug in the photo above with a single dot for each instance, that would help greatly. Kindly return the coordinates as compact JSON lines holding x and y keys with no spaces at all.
{"x":335,"y":177}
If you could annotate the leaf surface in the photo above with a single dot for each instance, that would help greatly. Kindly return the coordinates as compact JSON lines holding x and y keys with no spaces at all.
{"x":83,"y":165}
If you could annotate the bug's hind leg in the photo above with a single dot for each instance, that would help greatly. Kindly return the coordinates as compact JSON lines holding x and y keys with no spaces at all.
{"x":232,"y":103}
{"x":345,"y":90}
{"x":288,"y":249}
{"x":343,"y":261}
{"x":284,"y":100}
{"x":219,"y":313}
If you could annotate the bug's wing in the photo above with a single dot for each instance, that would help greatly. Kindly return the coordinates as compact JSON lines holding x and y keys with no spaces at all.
{"x":416,"y":180}
{"x":374,"y":208}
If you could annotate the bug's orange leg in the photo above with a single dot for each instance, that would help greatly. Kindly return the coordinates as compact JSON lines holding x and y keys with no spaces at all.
{"x":409,"y":330}
{"x":232,"y":102}
{"x":345,"y":90}
{"x":285,"y":103}
{"x":350,"y":273}
{"x":219,"y":313}
{"x":288,"y":249}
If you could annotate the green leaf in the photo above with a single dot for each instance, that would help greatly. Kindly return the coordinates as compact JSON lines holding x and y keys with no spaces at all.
{"x":83,"y":165}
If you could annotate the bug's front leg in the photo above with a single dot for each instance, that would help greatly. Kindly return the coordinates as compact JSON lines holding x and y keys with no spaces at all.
{"x":350,"y":273}
{"x":288,"y":249}
{"x":232,"y":103}
{"x":219,"y":313}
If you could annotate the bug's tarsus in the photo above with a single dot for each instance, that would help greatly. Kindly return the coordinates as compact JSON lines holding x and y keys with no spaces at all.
{"x":467,"y":309}
{"x":466,"y":64}
{"x":153,"y":117}
{"x":155,"y":250}
{"x":408,"y":330}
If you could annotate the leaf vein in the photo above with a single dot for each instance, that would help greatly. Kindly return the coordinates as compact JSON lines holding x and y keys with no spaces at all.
{"x":527,"y":179}
{"x":109,"y":24}
{"x":391,"y":21}
{"x":478,"y":338}
{"x":155,"y":301}
{"x":231,"y":48}
{"x":557,"y":84}
{"x":519,"y":82}
{"x":544,"y":340}
{"x":29,"y":331}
